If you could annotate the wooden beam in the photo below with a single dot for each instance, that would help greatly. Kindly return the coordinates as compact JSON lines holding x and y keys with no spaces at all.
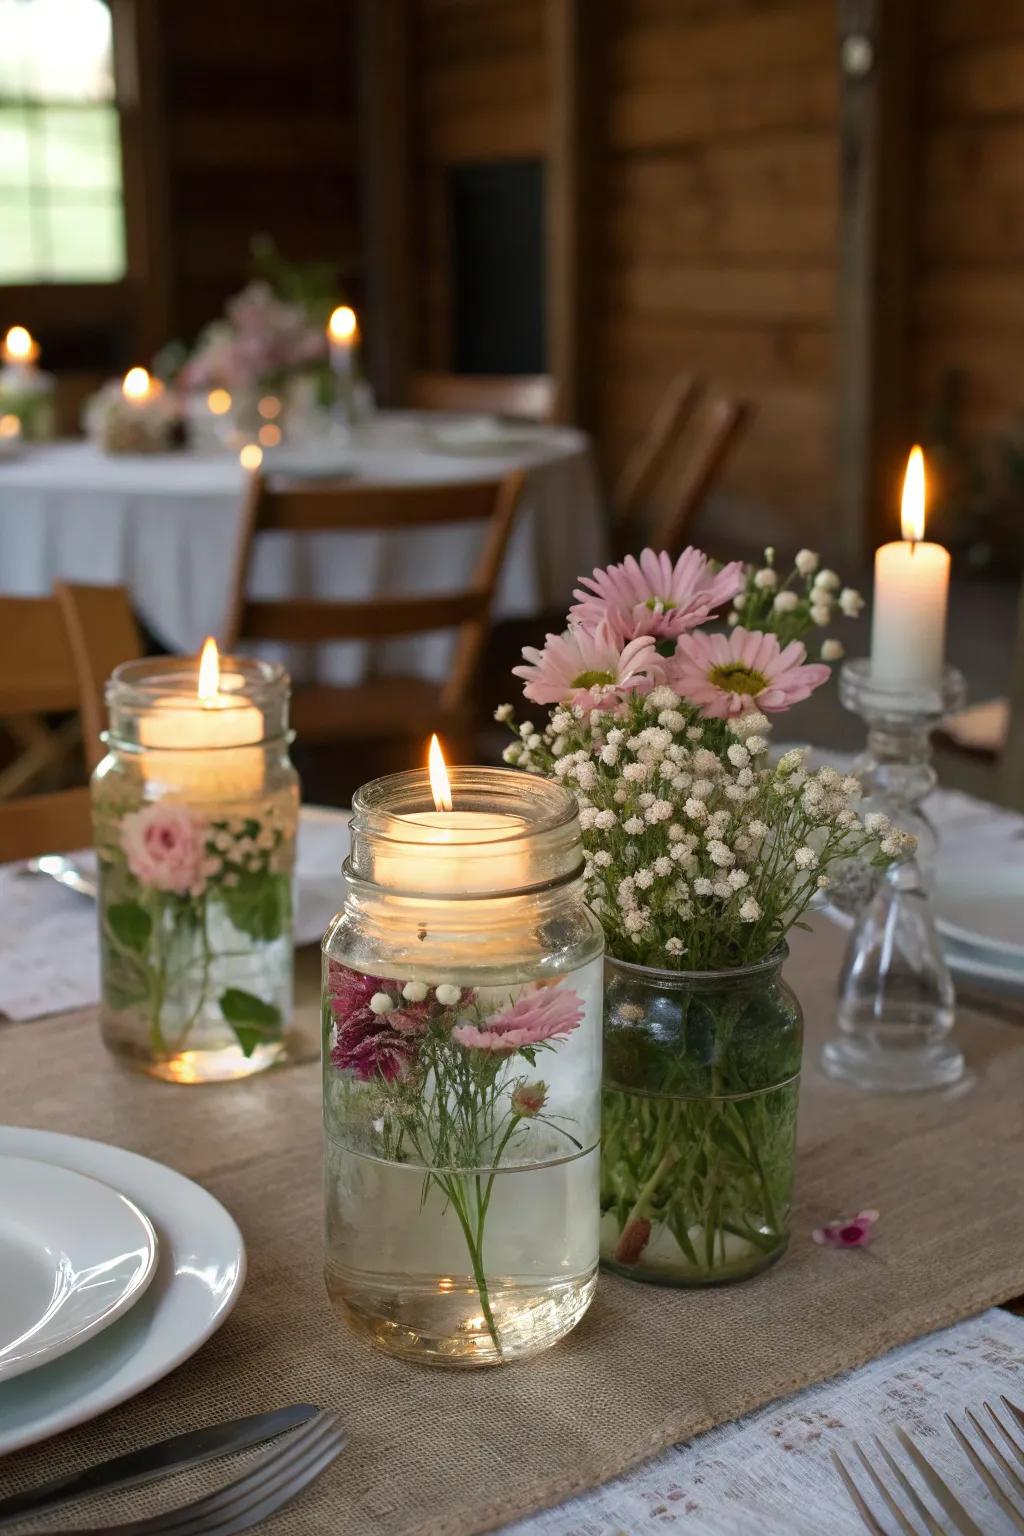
{"x":879,"y":140}
{"x":573,"y":35}
{"x":383,"y":104}
{"x":141,"y":100}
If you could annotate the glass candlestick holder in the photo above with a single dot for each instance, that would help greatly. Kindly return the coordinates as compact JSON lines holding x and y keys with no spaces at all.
{"x":896,"y":767}
{"x":896,"y":997}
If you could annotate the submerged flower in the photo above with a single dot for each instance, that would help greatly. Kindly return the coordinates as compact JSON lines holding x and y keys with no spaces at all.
{"x":745,"y":670}
{"x":165,"y":846}
{"x":588,"y":667}
{"x":653,"y":595}
{"x":529,"y":1099}
{"x":543,"y":1013}
{"x":849,"y":1232}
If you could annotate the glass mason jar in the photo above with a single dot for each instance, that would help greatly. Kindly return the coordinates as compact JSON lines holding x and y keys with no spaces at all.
{"x":194,"y":814}
{"x":462,"y":1071}
{"x":702,"y":1075}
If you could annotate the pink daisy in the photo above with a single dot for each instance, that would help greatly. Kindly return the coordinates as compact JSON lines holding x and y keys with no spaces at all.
{"x":589,"y":667}
{"x":744,"y":670}
{"x":543,"y":1013}
{"x":653,"y":596}
{"x":850,"y":1232}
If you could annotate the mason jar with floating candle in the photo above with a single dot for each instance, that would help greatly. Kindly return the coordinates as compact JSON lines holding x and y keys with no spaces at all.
{"x":462,"y":986}
{"x":195,"y":808}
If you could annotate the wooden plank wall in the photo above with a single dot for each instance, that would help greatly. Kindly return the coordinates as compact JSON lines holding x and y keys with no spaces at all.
{"x":971,"y":294}
{"x":260,"y":136}
{"x":480,"y":94}
{"x":720,"y":246}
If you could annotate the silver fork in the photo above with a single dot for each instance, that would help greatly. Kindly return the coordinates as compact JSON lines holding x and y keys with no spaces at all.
{"x":925,"y":1520}
{"x":1011,"y":1434}
{"x":272,"y":1482}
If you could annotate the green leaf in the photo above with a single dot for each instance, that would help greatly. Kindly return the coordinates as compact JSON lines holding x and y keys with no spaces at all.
{"x":252,"y":1020}
{"x":130,"y":924}
{"x":259,"y":904}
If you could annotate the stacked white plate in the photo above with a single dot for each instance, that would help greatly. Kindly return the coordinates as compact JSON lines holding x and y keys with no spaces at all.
{"x":114,"y":1270}
{"x":979,"y":909}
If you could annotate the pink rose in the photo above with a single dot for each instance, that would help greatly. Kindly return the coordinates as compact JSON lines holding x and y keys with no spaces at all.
{"x":165,"y":846}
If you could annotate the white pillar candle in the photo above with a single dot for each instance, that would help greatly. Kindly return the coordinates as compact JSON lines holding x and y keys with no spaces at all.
{"x":195,"y":733}
{"x":343,"y":336}
{"x":908,"y":630}
{"x":426,"y":857}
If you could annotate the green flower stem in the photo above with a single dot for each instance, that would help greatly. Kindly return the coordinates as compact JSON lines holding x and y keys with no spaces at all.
{"x":453,"y":1190}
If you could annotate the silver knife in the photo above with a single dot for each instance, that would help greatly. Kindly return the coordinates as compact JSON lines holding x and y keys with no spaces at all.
{"x":158,"y":1460}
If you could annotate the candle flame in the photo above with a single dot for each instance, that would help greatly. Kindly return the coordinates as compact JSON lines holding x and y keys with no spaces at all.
{"x":440,"y":788}
{"x":136,"y":385}
{"x":912,"y":508}
{"x":209,"y":671}
{"x":19,"y":346}
{"x":342,"y":324}
{"x":219,"y":401}
{"x":251,"y":456}
{"x":10,"y":426}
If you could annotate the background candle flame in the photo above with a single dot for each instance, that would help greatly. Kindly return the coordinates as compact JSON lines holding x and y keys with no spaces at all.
{"x":209,"y":671}
{"x":19,"y":344}
{"x":342,"y":324}
{"x":137,"y":384}
{"x":440,"y":788}
{"x":912,"y":507}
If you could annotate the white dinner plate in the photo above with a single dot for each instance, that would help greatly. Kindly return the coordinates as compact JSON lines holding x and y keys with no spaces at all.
{"x":981,"y":906}
{"x":322,"y":847}
{"x":199,"y":1273}
{"x":74,"y":1256}
{"x":486,"y":436}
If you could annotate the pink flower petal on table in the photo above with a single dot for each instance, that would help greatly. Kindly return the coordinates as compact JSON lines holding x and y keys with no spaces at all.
{"x":848,"y":1232}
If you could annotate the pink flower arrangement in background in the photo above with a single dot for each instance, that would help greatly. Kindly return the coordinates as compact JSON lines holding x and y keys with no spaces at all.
{"x":165,"y":847}
{"x":651,"y":596}
{"x":544,"y":1013}
{"x":589,"y":667}
{"x":261,"y":339}
{"x":743,"y":671}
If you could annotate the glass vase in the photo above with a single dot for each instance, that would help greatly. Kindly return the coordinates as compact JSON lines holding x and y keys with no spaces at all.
{"x":195,"y":809}
{"x":702,"y":1075}
{"x":462,"y":1071}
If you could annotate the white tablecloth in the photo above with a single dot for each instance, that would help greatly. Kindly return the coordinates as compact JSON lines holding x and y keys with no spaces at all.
{"x":165,"y":526}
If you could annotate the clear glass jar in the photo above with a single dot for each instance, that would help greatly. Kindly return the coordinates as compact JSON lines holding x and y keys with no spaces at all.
{"x":195,"y":809}
{"x":702,"y":1076}
{"x":462,"y":1071}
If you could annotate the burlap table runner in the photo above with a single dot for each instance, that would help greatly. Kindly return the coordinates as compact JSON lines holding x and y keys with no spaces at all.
{"x":449,"y":1454}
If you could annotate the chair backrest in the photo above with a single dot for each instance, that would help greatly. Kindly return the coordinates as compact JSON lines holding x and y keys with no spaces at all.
{"x":35,"y":824}
{"x":645,"y":463}
{"x":55,"y":656}
{"x":714,"y":431}
{"x":102,"y":632}
{"x":532,"y":396}
{"x":300,"y":508}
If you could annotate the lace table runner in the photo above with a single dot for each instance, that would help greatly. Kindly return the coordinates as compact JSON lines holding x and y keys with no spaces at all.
{"x":770,"y":1473}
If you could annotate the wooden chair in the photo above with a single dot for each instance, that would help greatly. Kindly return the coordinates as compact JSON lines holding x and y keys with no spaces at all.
{"x":532,"y":396}
{"x":55,"y":656}
{"x":382,"y":707}
{"x":647,"y":460}
{"x":686,"y":471}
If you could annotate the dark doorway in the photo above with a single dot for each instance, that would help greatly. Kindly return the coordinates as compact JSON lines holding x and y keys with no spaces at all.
{"x":497,"y":222}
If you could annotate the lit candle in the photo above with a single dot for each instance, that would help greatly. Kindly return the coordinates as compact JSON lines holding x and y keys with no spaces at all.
{"x":195,"y":732}
{"x":911,"y":590}
{"x":439,"y":852}
{"x":10,"y":427}
{"x":18,"y":349}
{"x":138,"y":388}
{"x":343,"y":335}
